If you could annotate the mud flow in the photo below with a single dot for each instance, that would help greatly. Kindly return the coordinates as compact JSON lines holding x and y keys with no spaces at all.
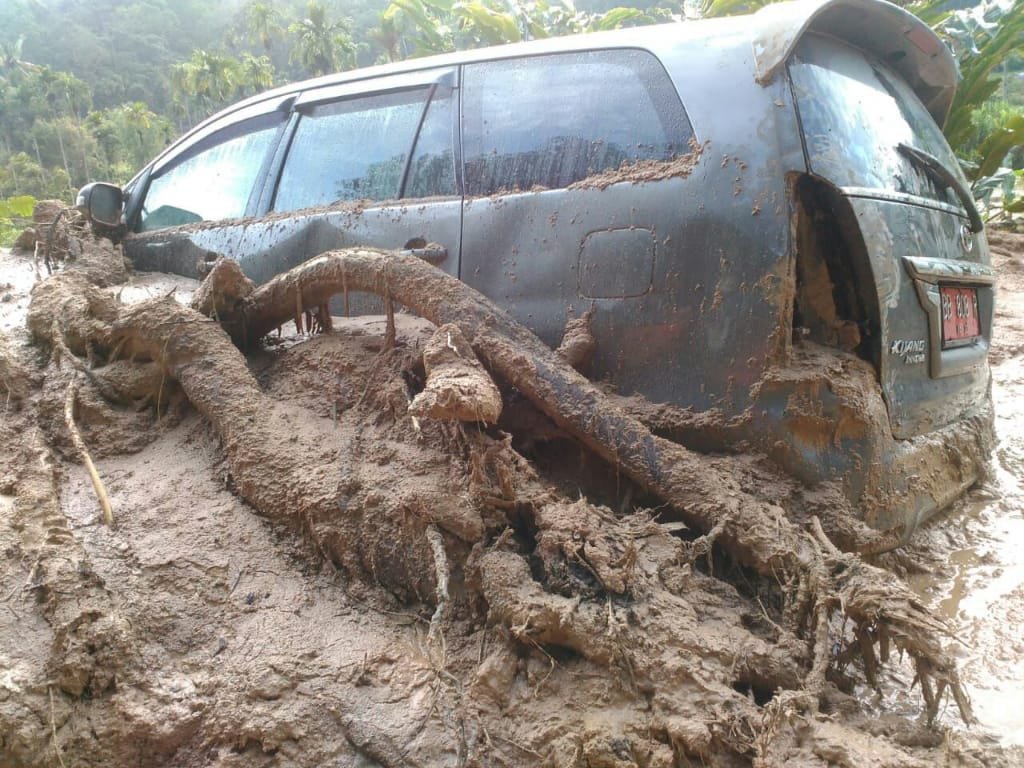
{"x":240,"y":531}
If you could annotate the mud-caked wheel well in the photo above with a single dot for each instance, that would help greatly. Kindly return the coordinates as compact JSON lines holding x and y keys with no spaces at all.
{"x":834,"y":304}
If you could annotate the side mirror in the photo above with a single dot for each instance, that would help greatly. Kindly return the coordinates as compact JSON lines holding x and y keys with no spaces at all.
{"x":101,"y":203}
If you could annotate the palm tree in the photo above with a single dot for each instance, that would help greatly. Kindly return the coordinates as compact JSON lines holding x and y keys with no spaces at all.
{"x":255,"y":74}
{"x":12,"y":66}
{"x":388,"y":39}
{"x":138,"y":119}
{"x":181,"y":90}
{"x":215,"y":76}
{"x":321,"y":45}
{"x":207,"y":80}
{"x":262,"y":24}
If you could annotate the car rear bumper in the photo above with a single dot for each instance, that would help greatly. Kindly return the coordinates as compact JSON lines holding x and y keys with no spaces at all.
{"x":924,"y":475}
{"x":823,"y":418}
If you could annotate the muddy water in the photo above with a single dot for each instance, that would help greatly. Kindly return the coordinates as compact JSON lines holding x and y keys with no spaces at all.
{"x":981,"y":589}
{"x":977,"y":550}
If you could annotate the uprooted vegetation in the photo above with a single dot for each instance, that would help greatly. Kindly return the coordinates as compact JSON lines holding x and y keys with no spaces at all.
{"x":617,"y":600}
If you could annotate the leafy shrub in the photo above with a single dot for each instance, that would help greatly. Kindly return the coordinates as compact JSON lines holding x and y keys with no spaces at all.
{"x":15,"y":215}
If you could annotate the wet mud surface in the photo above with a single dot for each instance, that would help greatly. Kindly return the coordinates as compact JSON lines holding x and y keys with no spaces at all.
{"x":198,"y":633}
{"x":976,"y":551}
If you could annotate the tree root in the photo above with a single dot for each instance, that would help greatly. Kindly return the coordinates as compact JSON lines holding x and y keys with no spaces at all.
{"x":83,"y":452}
{"x":756,"y":533}
{"x":458,"y":388}
{"x":436,"y":633}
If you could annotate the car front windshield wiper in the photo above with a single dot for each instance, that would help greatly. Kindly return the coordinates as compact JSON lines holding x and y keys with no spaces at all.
{"x":940,"y":173}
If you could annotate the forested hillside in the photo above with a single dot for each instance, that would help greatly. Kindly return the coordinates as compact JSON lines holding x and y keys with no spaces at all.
{"x":92,"y":89}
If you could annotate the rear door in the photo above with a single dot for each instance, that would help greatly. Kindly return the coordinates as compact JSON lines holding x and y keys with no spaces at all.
{"x":575,"y":183}
{"x":866,"y":132}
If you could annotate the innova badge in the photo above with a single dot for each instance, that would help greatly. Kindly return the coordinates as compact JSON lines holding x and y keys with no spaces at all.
{"x":912,"y":351}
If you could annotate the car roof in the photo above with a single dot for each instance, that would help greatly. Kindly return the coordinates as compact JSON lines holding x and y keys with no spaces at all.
{"x":890,"y":33}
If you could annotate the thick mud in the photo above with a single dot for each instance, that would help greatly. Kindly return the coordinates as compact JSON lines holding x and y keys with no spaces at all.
{"x":195,"y":632}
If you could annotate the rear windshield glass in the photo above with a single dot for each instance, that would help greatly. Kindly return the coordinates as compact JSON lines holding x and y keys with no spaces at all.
{"x":855,"y":113}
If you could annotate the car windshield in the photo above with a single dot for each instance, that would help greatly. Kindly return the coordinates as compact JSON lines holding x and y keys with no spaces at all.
{"x":855,"y":115}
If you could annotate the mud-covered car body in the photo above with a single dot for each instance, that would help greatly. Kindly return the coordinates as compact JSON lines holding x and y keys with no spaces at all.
{"x":760,"y":210}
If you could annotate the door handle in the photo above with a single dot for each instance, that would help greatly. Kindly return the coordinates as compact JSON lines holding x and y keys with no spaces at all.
{"x":431,"y":253}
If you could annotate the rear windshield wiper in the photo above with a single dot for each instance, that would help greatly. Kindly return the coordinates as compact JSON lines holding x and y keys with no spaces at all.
{"x":934,"y":168}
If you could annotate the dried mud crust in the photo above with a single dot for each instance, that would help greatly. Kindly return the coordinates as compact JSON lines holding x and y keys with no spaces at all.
{"x":301,"y":574}
{"x":646,"y":170}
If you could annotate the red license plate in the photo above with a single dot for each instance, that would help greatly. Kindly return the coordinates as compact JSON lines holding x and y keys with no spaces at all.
{"x":960,"y":321}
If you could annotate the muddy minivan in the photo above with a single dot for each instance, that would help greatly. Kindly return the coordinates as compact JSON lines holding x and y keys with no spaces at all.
{"x":761,"y":212}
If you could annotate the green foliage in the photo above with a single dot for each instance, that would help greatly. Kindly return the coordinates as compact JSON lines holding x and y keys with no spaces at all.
{"x":321,"y":45}
{"x":210,"y":81}
{"x":987,"y":120}
{"x":204,"y":83}
{"x":421,"y":27}
{"x":984,"y":131}
{"x":263,"y":24}
{"x":716,"y":8}
{"x":127,"y":137}
{"x":19,"y":207}
{"x":983,"y":38}
{"x":997,"y":145}
{"x":21,"y":175}
{"x":15,"y":215}
{"x":482,"y":25}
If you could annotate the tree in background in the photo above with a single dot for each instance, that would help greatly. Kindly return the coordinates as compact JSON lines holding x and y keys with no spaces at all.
{"x":11,"y":63}
{"x":41,"y":112}
{"x":321,"y":46}
{"x":255,"y":74}
{"x":207,"y":81}
{"x":436,"y":26}
{"x":388,"y":41}
{"x":263,"y":24}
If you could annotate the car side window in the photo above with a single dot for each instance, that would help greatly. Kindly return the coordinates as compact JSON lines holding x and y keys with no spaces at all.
{"x":432,"y":170}
{"x":213,"y":180}
{"x":549,"y":121}
{"x":354,"y":149}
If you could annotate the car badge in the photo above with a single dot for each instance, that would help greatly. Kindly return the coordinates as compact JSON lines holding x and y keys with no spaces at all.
{"x":966,"y":239}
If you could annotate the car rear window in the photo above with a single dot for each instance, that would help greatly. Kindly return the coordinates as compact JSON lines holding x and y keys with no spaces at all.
{"x":855,"y":113}
{"x":549,"y":121}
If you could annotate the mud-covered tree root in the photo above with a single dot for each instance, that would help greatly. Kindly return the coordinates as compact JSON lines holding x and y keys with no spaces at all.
{"x":303,"y":478}
{"x":298,"y":477}
{"x":705,"y":492}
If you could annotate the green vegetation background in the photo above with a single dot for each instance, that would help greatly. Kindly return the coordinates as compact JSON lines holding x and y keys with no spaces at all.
{"x":93,"y":89}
